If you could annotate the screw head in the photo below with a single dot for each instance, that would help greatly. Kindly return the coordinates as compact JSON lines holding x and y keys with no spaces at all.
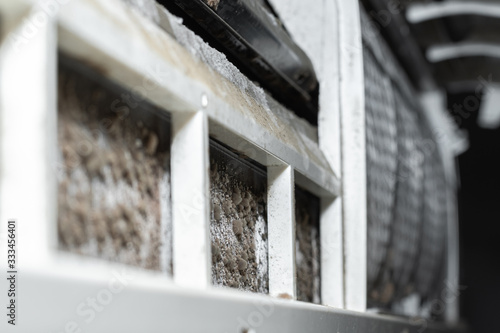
{"x":204,"y":100}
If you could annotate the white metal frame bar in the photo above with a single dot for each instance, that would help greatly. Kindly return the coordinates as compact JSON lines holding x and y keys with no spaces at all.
{"x":145,"y":302}
{"x":281,"y":231}
{"x":28,"y":121}
{"x":353,"y":142}
{"x":322,"y":46}
{"x":191,"y":200}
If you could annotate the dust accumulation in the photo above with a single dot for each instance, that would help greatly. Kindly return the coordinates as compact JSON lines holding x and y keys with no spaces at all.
{"x":238,"y":226}
{"x":307,"y":246}
{"x":113,"y":175}
{"x":214,"y":4}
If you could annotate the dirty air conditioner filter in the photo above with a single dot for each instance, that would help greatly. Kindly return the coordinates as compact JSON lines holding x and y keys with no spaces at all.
{"x":433,"y":242}
{"x":113,"y":172}
{"x":238,"y":221}
{"x":406,"y":190}
{"x":307,"y":246}
{"x":381,"y":159}
{"x":406,"y":229}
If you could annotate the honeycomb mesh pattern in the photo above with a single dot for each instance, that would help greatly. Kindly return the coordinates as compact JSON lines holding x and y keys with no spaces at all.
{"x":406,"y":228}
{"x":433,"y":242}
{"x":406,"y":190}
{"x":381,"y":151}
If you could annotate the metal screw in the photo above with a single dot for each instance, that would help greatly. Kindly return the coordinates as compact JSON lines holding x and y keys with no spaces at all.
{"x":204,"y":100}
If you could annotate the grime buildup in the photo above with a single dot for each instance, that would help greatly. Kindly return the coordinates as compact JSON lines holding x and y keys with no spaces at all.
{"x":113,"y":174}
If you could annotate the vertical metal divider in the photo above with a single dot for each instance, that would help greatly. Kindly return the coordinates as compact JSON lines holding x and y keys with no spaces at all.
{"x":281,"y":231}
{"x":332,"y":254}
{"x":318,"y":33}
{"x":190,"y":199}
{"x":331,"y":218}
{"x":353,"y":143}
{"x":28,"y":136}
{"x":52,"y":119}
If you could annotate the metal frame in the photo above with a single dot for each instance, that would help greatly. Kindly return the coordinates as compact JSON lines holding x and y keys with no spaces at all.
{"x":352,"y":123}
{"x":27,"y":131}
{"x":134,"y":52}
{"x":302,"y":18}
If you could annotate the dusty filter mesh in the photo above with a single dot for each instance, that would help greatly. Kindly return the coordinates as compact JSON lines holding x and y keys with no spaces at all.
{"x":406,"y":229}
{"x":114,"y":173}
{"x":381,"y":161}
{"x":431,"y":258}
{"x":307,"y":246}
{"x":406,"y":191}
{"x":238,"y":225}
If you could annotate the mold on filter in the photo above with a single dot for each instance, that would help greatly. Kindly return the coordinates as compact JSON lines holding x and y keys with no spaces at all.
{"x":238,"y":226}
{"x":113,"y":172}
{"x":307,"y":246}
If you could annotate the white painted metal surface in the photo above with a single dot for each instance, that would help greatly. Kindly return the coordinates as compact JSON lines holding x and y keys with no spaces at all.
{"x":27,"y":138}
{"x":323,"y":48}
{"x":352,"y":123}
{"x":281,"y":231}
{"x":129,"y":300}
{"x":332,"y":253}
{"x":191,"y":199}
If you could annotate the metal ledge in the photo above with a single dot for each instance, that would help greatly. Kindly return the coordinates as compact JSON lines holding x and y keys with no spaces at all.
{"x":136,"y":53}
{"x":130,"y":300}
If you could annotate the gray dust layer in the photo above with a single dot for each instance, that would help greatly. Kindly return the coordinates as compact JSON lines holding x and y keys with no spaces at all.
{"x":113,"y":178}
{"x":238,"y":230}
{"x":307,"y":247}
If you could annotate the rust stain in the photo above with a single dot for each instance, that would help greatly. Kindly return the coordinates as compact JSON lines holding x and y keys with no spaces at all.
{"x":285,"y":296}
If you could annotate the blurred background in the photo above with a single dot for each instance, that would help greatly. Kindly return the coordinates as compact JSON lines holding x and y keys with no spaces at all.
{"x":457,"y":44}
